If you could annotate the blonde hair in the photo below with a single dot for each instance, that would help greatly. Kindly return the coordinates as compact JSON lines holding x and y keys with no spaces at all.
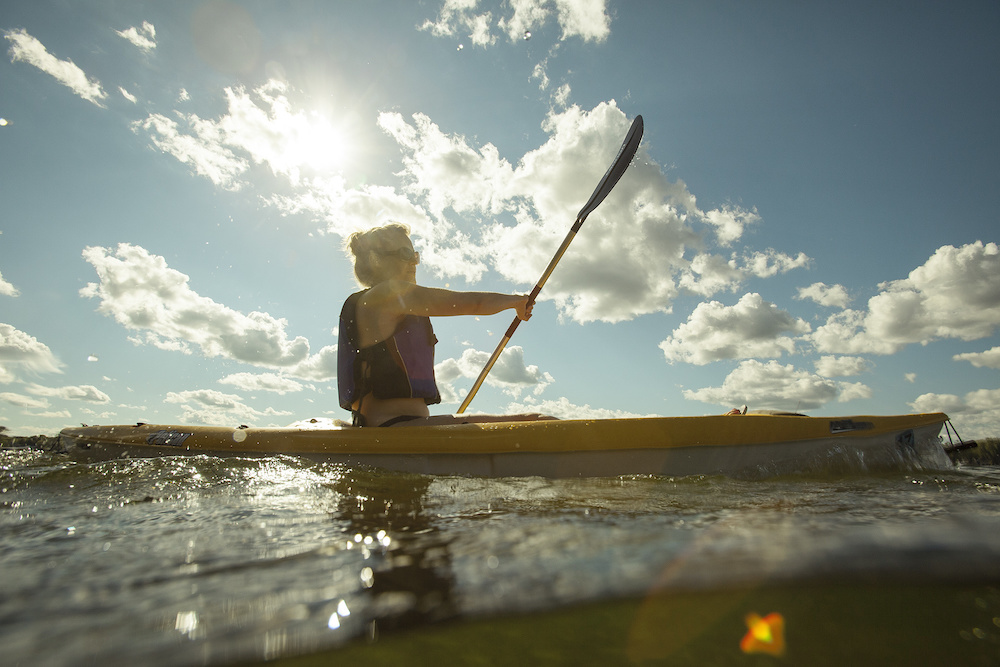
{"x":369,"y":262}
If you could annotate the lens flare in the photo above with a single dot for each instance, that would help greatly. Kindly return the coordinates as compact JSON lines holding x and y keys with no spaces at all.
{"x":764,"y":635}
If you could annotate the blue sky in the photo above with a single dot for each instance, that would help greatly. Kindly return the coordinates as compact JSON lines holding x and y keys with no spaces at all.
{"x":809,"y":224}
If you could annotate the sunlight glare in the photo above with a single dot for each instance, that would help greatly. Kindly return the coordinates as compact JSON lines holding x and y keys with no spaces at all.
{"x":319,"y":145}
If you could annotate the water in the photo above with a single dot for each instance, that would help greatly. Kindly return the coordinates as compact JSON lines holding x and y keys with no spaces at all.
{"x":189,"y":561}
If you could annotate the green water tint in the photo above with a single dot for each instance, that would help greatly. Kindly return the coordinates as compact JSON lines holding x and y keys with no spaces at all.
{"x":836,"y":624}
{"x":181,"y":561}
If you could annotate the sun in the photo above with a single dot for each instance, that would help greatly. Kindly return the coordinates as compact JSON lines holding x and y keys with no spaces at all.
{"x":321,"y":145}
{"x":293,"y":139}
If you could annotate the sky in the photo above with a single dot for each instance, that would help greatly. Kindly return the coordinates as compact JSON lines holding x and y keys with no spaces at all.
{"x":809,"y":224}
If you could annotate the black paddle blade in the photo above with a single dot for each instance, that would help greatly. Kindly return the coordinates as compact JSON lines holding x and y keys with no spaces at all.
{"x":616,"y":170}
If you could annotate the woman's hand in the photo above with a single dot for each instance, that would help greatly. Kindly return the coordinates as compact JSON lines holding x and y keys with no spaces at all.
{"x":524,"y":307}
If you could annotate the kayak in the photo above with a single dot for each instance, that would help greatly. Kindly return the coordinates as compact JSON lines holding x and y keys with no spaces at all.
{"x":733,"y":445}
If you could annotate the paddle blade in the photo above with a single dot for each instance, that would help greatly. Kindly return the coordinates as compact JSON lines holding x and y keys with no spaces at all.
{"x":616,"y":170}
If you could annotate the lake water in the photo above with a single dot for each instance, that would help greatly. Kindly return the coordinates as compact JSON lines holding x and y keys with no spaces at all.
{"x":197,"y":560}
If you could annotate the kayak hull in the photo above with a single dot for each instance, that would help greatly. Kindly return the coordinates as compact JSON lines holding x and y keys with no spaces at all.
{"x":745,"y":445}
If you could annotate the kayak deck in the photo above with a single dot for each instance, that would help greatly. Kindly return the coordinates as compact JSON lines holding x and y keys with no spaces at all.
{"x":673,"y":446}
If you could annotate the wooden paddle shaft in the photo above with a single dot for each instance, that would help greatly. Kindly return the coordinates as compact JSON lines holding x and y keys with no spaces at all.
{"x":517,"y":320}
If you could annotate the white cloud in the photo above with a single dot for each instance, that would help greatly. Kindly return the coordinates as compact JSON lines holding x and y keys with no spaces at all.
{"x":646,"y":244}
{"x":560,"y":98}
{"x":541,"y":75}
{"x":729,"y":223}
{"x":54,"y":414}
{"x":84,"y":392}
{"x":527,"y":16}
{"x":202,"y":149}
{"x":709,"y":274}
{"x":988,"y":359}
{"x":7,"y":289}
{"x":833,"y":366}
{"x":265,"y":125}
{"x":775,"y":386}
{"x":976,"y":415}
{"x":26,"y":48}
{"x":459,"y":17}
{"x":142,"y":293}
{"x":21,"y":401}
{"x":127,"y":95}
{"x":955,"y":294}
{"x":445,"y":170}
{"x":207,"y":406}
{"x":262,"y":127}
{"x":825,"y":295}
{"x":636,"y":252}
{"x":278,"y":384}
{"x":344,"y":211}
{"x":510,"y":373}
{"x":771,"y":262}
{"x":751,"y":328}
{"x":586,"y":19}
{"x":844,"y":333}
{"x":21,"y":350}
{"x":563,"y":409}
{"x":143,"y":37}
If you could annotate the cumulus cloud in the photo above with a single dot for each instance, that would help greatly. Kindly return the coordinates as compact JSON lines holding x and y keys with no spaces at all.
{"x":527,"y":15}
{"x":200,"y":147}
{"x":510,"y":373}
{"x":771,"y":262}
{"x":459,"y":17}
{"x":143,"y":37}
{"x":85,"y":392}
{"x":21,"y":350}
{"x":475,"y":179}
{"x":27,"y":49}
{"x":988,"y":359}
{"x":844,"y":333}
{"x":563,"y":409}
{"x":751,"y":328}
{"x":7,"y":289}
{"x":345,"y":210}
{"x":833,"y":366}
{"x":976,"y":414}
{"x":265,"y":125}
{"x":586,"y":19}
{"x":775,"y":386}
{"x":207,"y":406}
{"x":142,"y":293}
{"x":834,"y":296}
{"x":273,"y":382}
{"x":22,"y":401}
{"x":261,"y":126}
{"x":955,"y":294}
{"x":646,"y":244}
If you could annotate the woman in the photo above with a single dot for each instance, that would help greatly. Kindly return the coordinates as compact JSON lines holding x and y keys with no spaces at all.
{"x":386,"y":345}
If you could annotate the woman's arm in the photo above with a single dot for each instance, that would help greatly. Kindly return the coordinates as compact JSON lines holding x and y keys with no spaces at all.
{"x":398,"y":298}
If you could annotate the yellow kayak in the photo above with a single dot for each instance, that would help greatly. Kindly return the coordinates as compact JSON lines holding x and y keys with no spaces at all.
{"x":737,"y":445}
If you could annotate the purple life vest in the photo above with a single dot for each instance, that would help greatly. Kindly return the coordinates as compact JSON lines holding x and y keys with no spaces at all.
{"x":401,"y":366}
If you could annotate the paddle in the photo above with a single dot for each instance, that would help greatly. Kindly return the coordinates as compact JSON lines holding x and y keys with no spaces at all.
{"x":611,"y":177}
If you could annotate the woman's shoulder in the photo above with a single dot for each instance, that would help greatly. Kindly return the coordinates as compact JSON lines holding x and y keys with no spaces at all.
{"x":389,"y":295}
